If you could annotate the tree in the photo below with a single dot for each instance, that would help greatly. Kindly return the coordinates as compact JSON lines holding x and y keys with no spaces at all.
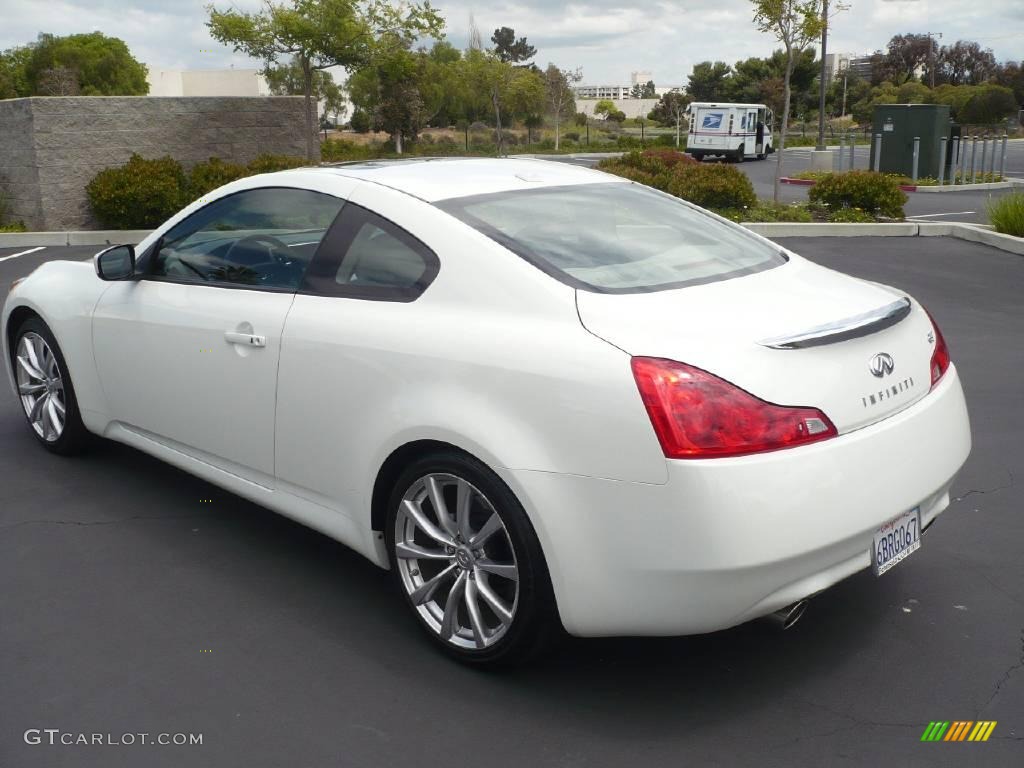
{"x":637,"y":91}
{"x":561,"y":103}
{"x":59,"y":81}
{"x":991,"y":104}
{"x":360,"y":121}
{"x":965,"y":63}
{"x":532,"y":123}
{"x":708,"y":81}
{"x":649,"y":91}
{"x":322,"y":34}
{"x":1011,"y":75}
{"x":510,"y":50}
{"x":14,"y":73}
{"x":289,"y":80}
{"x":510,"y":90}
{"x":604,"y":107}
{"x":906,"y":54}
{"x":90,"y":64}
{"x":616,"y":116}
{"x":795,"y":24}
{"x":388,"y":91}
{"x":671,"y":108}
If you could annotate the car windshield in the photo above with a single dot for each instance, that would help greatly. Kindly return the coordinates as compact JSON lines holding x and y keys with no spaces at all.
{"x":615,"y":237}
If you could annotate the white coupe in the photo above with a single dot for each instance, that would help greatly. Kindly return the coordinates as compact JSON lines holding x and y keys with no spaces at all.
{"x":543,"y":396}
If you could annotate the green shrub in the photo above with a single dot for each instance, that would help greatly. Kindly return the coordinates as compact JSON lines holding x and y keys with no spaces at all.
{"x":850,"y":216}
{"x":712,"y":185}
{"x":13,"y":226}
{"x":270,"y":163}
{"x":207,"y":176}
{"x":360,"y":121}
{"x":873,"y":192}
{"x":653,"y":167}
{"x":707,"y":185}
{"x":139,"y":195}
{"x":1007,"y":214}
{"x":340,"y":150}
{"x":769,"y":212}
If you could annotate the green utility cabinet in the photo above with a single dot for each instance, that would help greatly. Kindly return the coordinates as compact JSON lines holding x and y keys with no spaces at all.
{"x":898,"y":124}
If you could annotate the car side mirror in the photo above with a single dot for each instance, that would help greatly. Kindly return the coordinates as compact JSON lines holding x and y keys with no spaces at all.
{"x":115,"y":263}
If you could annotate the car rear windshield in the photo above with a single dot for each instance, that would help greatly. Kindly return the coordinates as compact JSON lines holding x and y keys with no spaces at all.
{"x":616,"y":237}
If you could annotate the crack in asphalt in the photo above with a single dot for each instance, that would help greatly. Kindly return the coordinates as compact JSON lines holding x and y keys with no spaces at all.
{"x":982,"y":492}
{"x":1019,"y":664}
{"x":88,"y":524}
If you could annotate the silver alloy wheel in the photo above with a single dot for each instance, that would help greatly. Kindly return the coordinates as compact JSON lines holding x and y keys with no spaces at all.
{"x":458,"y":569}
{"x":40,"y":386}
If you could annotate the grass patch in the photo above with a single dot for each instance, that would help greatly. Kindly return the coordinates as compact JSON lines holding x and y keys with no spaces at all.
{"x":1007,"y":214}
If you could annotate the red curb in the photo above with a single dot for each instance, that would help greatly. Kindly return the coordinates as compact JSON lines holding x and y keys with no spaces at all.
{"x":908,"y":187}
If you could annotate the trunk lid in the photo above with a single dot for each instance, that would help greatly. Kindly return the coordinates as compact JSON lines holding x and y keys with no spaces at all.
{"x":734,"y":328}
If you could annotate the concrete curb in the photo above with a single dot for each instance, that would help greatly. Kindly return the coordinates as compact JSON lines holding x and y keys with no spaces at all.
{"x":98,"y":237}
{"x":1008,"y":184}
{"x":970,"y":232}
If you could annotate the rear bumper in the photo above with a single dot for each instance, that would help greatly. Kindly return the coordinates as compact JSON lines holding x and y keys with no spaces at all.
{"x":727,"y":540}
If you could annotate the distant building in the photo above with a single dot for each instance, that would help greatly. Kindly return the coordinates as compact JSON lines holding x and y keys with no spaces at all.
{"x":207,"y":82}
{"x":836,"y":64}
{"x":603,"y":91}
{"x":623,"y":92}
{"x":862,"y":66}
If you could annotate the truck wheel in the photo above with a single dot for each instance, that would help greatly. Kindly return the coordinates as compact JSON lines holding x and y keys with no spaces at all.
{"x":739,"y":156}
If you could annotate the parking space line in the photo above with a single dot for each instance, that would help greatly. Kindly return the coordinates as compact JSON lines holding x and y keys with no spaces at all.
{"x":23,"y":253}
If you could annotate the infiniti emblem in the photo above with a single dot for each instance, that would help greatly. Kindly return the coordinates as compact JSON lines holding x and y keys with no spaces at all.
{"x":881,"y":365}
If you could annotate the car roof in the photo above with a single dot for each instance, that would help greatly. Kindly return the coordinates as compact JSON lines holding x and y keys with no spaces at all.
{"x":433,"y":179}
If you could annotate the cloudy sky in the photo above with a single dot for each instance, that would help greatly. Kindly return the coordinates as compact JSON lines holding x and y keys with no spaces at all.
{"x":607,"y":38}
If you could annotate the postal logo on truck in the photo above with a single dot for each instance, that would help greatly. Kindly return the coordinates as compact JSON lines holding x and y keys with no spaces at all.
{"x":712,"y":121}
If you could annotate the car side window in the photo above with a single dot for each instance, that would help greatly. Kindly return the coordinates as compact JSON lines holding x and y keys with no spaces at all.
{"x":259,"y":238}
{"x":367,"y":256}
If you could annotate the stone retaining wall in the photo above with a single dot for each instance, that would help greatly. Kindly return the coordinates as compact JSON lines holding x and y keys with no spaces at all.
{"x":50,"y":148}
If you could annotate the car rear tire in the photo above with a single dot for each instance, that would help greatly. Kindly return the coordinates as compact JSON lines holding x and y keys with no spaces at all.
{"x":45,"y":389}
{"x":467,"y":561}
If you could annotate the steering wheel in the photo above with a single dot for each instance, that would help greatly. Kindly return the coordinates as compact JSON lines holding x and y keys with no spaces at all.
{"x":276,"y":250}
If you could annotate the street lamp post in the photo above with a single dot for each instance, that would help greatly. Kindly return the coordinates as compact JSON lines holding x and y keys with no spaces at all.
{"x":822,"y":84}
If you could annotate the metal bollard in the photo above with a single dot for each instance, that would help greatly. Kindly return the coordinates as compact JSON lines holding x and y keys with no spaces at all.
{"x":942,"y":160}
{"x":877,"y":158}
{"x":917,"y":155}
{"x":1002,"y":159}
{"x":853,"y":143}
{"x":838,"y":165}
{"x":974,"y":154}
{"x":956,"y":160}
{"x":984,"y":150}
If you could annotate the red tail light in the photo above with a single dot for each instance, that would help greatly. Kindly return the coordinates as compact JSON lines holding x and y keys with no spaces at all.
{"x":698,"y":416}
{"x":940,"y":355}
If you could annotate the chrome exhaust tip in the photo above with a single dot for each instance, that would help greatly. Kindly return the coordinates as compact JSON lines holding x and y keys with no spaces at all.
{"x":788,"y":616}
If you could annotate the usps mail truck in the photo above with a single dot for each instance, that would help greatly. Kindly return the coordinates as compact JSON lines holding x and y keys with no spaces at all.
{"x":736,"y":132}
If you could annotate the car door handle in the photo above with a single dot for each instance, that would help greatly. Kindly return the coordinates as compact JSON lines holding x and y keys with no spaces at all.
{"x":245,"y":339}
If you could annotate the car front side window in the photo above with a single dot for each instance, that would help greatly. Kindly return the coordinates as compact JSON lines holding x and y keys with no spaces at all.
{"x":258,"y":238}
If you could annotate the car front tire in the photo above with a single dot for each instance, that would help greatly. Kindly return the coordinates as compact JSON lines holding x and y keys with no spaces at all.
{"x":45,"y":389}
{"x":467,"y":561}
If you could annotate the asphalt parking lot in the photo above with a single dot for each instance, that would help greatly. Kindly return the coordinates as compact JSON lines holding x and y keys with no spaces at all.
{"x":139,"y":599}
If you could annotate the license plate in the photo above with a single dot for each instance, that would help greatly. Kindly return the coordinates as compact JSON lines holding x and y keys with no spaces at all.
{"x":895,"y":540}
